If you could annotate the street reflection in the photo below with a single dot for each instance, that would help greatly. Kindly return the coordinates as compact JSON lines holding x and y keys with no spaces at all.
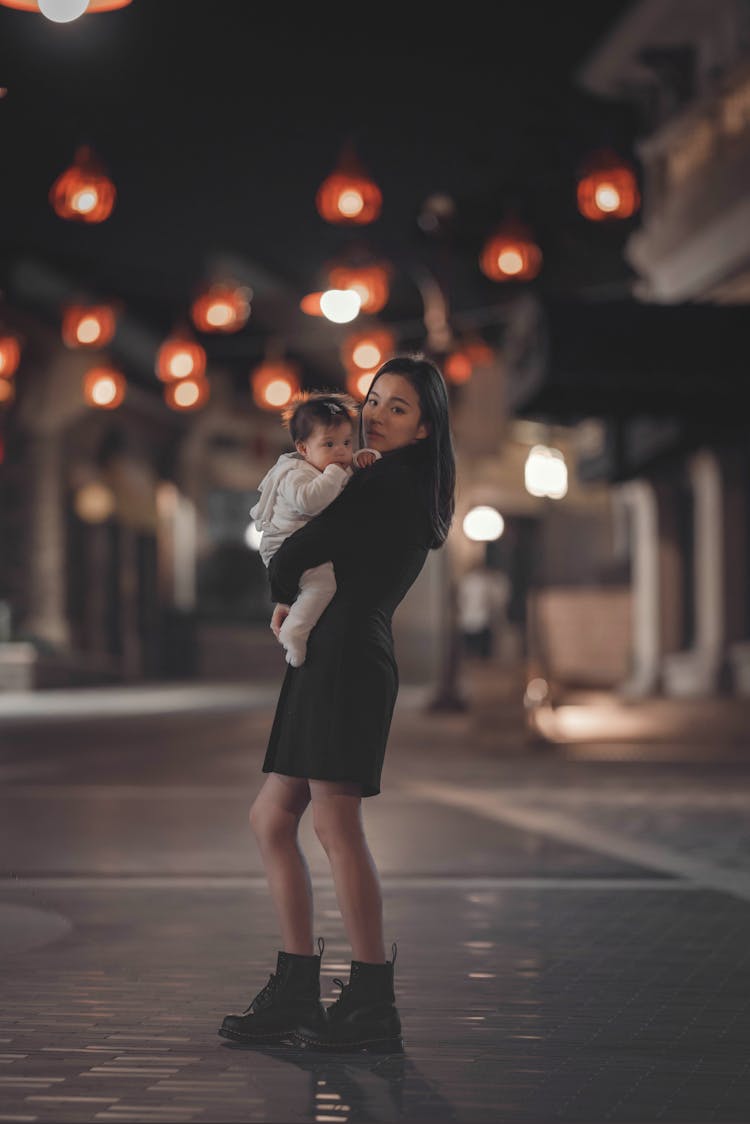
{"x":360,"y":1086}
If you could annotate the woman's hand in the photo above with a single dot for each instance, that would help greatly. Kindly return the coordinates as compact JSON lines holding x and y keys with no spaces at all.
{"x":280,"y":613}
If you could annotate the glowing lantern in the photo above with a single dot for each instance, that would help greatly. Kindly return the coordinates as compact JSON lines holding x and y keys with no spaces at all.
{"x":7,"y":392}
{"x":62,"y":10}
{"x":510,"y":254}
{"x":358,"y":383}
{"x":458,"y":367}
{"x":365,"y":351}
{"x":607,"y":188}
{"x":370,"y":281}
{"x":10,"y":356}
{"x":311,"y":304}
{"x":340,"y":306}
{"x":546,"y":473}
{"x":83,"y":192}
{"x":479,"y":352}
{"x":274,"y":383}
{"x":88,"y":326}
{"x":483,"y":524}
{"x":180,"y":357}
{"x":222,"y":308}
{"x":187,"y":393}
{"x":348,"y":196}
{"x":104,"y":387}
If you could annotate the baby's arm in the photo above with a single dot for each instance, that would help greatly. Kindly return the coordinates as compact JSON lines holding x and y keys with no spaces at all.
{"x":311,"y":496}
{"x":364,"y":457}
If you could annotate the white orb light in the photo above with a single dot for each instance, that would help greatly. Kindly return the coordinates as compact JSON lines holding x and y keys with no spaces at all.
{"x":483,"y":524}
{"x":340,"y":305}
{"x":62,"y":11}
{"x":545,"y":473}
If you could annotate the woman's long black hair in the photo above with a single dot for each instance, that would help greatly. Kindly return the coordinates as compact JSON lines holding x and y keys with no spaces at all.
{"x":440,"y":461}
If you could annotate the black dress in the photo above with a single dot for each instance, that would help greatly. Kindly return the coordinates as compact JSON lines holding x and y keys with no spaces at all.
{"x":334,"y":712}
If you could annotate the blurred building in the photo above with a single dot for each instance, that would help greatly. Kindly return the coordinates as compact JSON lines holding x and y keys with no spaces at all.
{"x":653,"y":387}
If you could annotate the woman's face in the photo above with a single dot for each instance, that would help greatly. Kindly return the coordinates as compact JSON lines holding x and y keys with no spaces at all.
{"x":390,"y":414}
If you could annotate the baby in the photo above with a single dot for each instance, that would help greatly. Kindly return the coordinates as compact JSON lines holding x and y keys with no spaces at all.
{"x":299,"y":486}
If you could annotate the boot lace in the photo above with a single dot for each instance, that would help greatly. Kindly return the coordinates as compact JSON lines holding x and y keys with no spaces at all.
{"x":265,"y":993}
{"x":338,"y":1001}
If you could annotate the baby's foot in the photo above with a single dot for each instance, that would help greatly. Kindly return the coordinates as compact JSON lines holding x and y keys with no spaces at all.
{"x":296,"y":646}
{"x":295,"y":655}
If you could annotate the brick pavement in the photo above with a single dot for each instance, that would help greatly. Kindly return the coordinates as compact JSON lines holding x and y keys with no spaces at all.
{"x":573,"y":933}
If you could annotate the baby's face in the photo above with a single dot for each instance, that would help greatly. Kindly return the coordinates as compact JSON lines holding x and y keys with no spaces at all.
{"x":330,"y":444}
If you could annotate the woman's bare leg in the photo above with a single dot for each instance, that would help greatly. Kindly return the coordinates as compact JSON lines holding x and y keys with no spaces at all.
{"x":337,"y":815}
{"x":274,"y":818}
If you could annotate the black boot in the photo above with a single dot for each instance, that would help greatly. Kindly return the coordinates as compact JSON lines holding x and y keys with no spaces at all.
{"x":291,"y":998}
{"x":364,"y":1017}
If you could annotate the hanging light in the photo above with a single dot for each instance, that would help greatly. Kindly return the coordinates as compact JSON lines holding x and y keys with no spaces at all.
{"x":483,"y":524}
{"x":104,"y":387}
{"x":340,"y":305}
{"x":348,"y":196}
{"x":370,"y":282}
{"x":273,"y":384}
{"x":88,"y":325}
{"x":310,"y":304}
{"x":607,"y":188}
{"x":365,"y":351}
{"x":10,"y":356}
{"x":479,"y":352}
{"x":7,"y":392}
{"x":358,"y":383}
{"x":83,"y":192}
{"x":62,"y":11}
{"x":458,"y":367}
{"x":94,"y":502}
{"x":545,"y":473}
{"x":510,"y":254}
{"x":187,"y":394}
{"x":222,"y":308}
{"x":180,"y":357}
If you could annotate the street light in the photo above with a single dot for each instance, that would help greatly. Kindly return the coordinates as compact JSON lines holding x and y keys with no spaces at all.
{"x":545,"y":473}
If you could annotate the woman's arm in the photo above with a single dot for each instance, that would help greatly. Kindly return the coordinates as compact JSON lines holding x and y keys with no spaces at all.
{"x":359,"y":514}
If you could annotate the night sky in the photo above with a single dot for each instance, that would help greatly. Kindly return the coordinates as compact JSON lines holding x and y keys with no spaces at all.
{"x":218,"y":121}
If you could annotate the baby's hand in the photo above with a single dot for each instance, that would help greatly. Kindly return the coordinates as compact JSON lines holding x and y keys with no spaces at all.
{"x":363,"y":458}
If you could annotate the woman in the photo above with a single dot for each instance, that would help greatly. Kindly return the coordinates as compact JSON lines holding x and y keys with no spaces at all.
{"x":333,"y":716}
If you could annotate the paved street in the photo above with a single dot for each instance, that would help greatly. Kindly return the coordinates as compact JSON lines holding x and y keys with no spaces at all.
{"x":573,"y":922}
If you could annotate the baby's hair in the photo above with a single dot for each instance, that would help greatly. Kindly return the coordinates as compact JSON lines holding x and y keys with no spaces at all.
{"x":310,"y":408}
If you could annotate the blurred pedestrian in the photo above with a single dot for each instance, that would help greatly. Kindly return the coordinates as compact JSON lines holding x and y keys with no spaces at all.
{"x":333,"y":716}
{"x":483,"y":595}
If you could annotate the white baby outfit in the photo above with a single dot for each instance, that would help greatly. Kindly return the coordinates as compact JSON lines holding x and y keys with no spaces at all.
{"x":291,"y":493}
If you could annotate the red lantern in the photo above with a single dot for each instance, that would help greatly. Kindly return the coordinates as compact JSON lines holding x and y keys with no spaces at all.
{"x":479,"y":352}
{"x":274,"y":383}
{"x":10,"y":356}
{"x":607,"y":188}
{"x":510,"y":254}
{"x":348,"y":196}
{"x":93,"y":5}
{"x":311,"y":304}
{"x":104,"y":387}
{"x":88,"y":325}
{"x":83,"y":192}
{"x":358,"y":383}
{"x":458,"y":367}
{"x":222,"y":308}
{"x":370,"y":281}
{"x":180,"y":357}
{"x":366,"y":351}
{"x":187,"y":394}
